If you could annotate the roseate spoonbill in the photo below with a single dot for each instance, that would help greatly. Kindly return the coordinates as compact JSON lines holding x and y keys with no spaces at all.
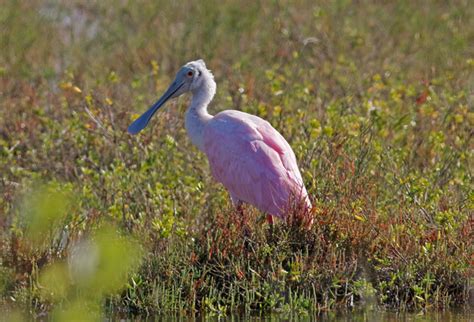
{"x":246,"y":154}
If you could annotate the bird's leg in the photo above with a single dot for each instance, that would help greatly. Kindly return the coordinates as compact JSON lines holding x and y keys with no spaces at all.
{"x":270,"y":223}
{"x":270,"y":220}
{"x":238,"y":204}
{"x":240,"y":210}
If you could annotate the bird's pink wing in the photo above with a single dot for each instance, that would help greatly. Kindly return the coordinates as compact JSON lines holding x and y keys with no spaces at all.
{"x":253,"y":161}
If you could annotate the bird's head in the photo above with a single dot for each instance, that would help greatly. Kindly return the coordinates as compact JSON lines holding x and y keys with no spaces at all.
{"x":196,"y":74}
{"x":190,"y":78}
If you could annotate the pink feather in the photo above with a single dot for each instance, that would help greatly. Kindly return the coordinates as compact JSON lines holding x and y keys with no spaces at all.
{"x":253,"y":161}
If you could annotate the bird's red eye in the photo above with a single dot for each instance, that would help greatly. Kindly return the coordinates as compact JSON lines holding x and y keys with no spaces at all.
{"x":190,"y":73}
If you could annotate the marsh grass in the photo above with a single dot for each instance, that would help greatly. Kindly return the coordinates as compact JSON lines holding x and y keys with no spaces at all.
{"x":375,"y":99}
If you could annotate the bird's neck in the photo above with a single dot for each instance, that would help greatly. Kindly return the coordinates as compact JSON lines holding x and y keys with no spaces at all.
{"x":197,"y":115}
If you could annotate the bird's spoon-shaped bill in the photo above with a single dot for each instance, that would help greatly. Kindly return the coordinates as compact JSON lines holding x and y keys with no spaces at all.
{"x":141,"y":122}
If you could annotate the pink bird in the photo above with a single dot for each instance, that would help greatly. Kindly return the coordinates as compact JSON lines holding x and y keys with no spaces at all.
{"x":246,"y":154}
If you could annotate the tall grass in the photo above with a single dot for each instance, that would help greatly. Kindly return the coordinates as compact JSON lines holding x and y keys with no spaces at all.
{"x":375,"y":99}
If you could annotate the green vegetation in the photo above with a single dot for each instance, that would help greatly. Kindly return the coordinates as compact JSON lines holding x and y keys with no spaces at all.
{"x":375,"y":99}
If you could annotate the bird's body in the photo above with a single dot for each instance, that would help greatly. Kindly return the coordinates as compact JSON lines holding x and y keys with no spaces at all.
{"x":246,"y":154}
{"x":253,"y":161}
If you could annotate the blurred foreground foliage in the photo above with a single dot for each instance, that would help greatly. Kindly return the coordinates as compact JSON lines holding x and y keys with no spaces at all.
{"x":376,"y":100}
